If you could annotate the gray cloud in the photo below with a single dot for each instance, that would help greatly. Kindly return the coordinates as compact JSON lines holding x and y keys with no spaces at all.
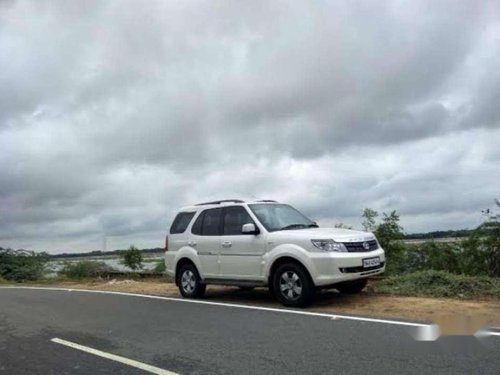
{"x":114,"y":114}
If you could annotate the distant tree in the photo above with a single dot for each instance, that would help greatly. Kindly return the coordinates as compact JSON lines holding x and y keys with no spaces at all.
{"x":388,"y":233}
{"x":369,"y":216}
{"x":389,"y":230}
{"x":132,"y":258}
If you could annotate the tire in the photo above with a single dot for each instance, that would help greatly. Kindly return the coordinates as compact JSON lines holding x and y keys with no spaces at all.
{"x":352,"y":287}
{"x":189,"y":282}
{"x":292,"y":285}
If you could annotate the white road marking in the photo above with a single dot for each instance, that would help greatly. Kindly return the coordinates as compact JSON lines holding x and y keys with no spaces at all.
{"x":114,"y":357}
{"x":260,"y":308}
{"x":250,"y":307}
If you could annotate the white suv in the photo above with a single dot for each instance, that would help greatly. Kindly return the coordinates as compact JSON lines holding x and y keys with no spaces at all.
{"x":266,"y":243}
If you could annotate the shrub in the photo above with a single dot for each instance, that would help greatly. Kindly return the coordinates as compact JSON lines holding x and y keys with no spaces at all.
{"x":389,"y":230}
{"x":389,"y":234}
{"x":132,"y":258}
{"x":492,"y":242}
{"x":429,"y":255}
{"x":21,"y":265}
{"x":440,"y":284}
{"x":160,"y":267}
{"x":479,"y":254}
{"x":473,"y":257}
{"x":84,"y":269}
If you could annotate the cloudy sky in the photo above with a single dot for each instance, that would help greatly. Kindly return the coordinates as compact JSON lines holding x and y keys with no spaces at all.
{"x":113,"y":114}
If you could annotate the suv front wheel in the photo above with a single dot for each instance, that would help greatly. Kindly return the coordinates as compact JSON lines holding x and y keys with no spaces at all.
{"x":292,"y":285}
{"x":189,"y":282}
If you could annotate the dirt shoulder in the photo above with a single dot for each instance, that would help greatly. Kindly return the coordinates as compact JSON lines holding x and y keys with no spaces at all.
{"x":454,"y":316}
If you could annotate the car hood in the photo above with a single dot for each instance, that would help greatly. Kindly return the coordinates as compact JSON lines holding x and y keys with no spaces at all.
{"x":336,"y":234}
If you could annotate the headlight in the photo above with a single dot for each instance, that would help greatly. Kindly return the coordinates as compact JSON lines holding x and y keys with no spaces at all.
{"x":329,"y":245}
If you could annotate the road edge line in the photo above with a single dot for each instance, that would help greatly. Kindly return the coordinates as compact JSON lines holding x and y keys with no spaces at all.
{"x":250,"y":307}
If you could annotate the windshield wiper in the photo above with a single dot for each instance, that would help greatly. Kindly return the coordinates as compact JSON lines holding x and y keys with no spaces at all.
{"x":294,"y":226}
{"x":313,"y":225}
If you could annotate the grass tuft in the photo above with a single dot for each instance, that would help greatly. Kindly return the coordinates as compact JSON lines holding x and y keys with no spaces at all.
{"x":439,"y":284}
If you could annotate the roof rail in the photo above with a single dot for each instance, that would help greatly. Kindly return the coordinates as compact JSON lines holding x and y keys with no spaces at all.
{"x":221,"y":201}
{"x":267,"y":200}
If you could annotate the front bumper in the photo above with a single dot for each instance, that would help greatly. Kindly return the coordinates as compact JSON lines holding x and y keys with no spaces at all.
{"x":333,"y":267}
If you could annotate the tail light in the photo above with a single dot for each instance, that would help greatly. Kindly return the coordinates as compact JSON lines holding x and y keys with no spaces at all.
{"x":166,"y":243}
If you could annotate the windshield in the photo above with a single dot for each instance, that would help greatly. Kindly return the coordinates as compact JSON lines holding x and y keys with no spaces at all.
{"x":280,"y":217}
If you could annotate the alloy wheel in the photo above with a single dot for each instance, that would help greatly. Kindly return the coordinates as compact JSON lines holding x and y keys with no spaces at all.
{"x":290,"y":285}
{"x":188,"y":281}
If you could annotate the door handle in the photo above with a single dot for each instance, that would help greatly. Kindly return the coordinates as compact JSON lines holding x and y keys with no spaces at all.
{"x":192,"y":243}
{"x":227,"y":244}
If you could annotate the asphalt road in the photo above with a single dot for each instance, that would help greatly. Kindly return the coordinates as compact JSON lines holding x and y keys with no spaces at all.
{"x":190,"y":338}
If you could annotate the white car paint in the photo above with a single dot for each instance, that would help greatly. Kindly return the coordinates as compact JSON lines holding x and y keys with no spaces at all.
{"x":249,"y":258}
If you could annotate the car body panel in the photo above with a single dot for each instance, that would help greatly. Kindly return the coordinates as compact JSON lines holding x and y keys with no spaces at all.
{"x":251,"y":257}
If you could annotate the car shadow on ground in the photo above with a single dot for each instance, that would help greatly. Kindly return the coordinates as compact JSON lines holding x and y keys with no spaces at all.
{"x":262,"y":296}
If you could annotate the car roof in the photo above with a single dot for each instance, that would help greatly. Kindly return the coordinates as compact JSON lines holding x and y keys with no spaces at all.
{"x":223,"y":203}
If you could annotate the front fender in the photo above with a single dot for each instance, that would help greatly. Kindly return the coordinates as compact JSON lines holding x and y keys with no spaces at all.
{"x":291,"y":251}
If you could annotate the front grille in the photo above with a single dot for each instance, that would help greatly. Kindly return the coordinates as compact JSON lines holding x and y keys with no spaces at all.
{"x":359,"y":247}
{"x":360,"y":269}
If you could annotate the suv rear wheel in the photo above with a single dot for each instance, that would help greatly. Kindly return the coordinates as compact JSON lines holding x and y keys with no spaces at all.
{"x":292,"y":285}
{"x":352,"y":287}
{"x":189,"y":282}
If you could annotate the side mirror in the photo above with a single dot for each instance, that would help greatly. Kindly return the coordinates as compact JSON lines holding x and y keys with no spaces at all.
{"x":249,"y":229}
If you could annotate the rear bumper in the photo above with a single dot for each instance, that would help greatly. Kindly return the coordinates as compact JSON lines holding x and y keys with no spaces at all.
{"x":332,"y":268}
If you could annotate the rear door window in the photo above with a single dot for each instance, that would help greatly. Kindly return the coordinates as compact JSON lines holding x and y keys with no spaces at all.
{"x":181,"y":222}
{"x":196,"y":228}
{"x":211,"y":225}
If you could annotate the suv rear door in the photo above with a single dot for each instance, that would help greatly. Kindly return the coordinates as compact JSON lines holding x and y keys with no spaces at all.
{"x":205,"y":238}
{"x":240,"y":254}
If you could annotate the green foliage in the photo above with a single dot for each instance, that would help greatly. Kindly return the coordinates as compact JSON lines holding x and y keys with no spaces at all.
{"x":426,"y":256}
{"x":478,"y":254}
{"x":469,"y":257}
{"x":474,"y":259}
{"x":84,"y":269}
{"x":432,"y":283}
{"x":389,"y":234}
{"x":21,"y":265}
{"x":369,"y":216}
{"x":490,"y":242}
{"x":481,"y":250}
{"x":389,"y":230}
{"x":160,"y":266}
{"x":491,"y":248}
{"x":132,"y":258}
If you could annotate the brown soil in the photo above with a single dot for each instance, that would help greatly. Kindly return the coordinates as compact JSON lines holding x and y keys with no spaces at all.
{"x":453,"y":316}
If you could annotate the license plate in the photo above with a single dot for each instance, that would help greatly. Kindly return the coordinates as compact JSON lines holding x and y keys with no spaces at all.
{"x":371,"y":262}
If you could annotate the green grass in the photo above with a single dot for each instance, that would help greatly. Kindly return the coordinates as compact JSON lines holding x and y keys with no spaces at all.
{"x":439,"y":284}
{"x":160,"y":266}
